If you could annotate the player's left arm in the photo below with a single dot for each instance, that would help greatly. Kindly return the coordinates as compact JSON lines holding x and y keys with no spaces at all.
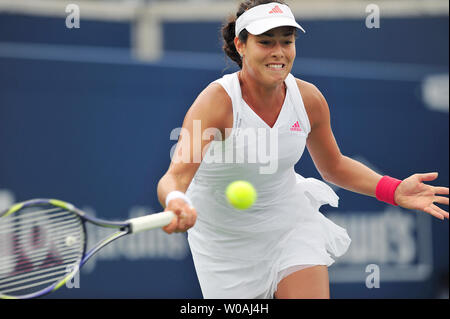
{"x":354,"y":176}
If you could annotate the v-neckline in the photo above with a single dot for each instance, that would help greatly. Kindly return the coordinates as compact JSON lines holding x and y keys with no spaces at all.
{"x":259,"y":117}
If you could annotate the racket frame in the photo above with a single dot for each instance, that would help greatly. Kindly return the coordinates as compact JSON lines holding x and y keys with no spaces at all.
{"x":124,"y":228}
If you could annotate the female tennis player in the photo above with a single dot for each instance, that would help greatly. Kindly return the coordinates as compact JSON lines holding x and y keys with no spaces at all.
{"x":281,"y":247}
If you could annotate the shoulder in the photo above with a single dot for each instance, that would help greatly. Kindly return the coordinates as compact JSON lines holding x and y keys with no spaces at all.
{"x":315,"y":104}
{"x":215,"y":92}
{"x":213,"y":105}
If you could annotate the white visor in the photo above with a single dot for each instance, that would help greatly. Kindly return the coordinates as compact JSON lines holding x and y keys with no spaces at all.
{"x":265,"y":17}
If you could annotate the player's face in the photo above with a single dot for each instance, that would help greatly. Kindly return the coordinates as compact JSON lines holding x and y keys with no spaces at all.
{"x":269,"y":57}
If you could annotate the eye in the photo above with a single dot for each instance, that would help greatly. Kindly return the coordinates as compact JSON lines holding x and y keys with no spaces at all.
{"x":264,"y":42}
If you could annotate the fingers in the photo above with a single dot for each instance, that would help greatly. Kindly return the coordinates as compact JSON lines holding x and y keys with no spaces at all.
{"x":186,"y":219}
{"x":440,"y":211}
{"x":431,"y":211}
{"x":427,"y":176}
{"x":441,"y":200}
{"x":441,"y":190}
{"x":185,"y":216}
{"x":192,"y":217}
{"x":436,"y":212}
{"x":172,"y":226}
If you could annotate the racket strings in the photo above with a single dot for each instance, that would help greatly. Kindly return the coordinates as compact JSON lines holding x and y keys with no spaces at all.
{"x":38,"y":271}
{"x":22,"y":262}
{"x":11,"y":222}
{"x":39,"y":245}
{"x":14,"y":284}
{"x":38,"y":241}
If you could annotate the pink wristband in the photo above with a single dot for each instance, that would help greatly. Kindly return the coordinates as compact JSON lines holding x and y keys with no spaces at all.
{"x":386,"y":189}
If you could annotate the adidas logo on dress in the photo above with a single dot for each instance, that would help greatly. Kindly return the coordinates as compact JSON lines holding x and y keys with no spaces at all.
{"x":296,"y":127}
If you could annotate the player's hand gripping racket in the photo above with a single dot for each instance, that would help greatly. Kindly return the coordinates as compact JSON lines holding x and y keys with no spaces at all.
{"x":41,"y":239}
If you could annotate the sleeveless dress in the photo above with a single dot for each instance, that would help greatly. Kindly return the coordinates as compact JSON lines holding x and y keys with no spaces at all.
{"x":241,"y":253}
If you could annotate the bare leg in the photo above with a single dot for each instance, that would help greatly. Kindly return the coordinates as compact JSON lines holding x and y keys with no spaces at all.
{"x":309,"y":283}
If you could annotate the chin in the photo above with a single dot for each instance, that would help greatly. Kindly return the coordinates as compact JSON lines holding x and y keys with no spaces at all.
{"x":278,"y":75}
{"x":277,"y":78}
{"x":271,"y":78}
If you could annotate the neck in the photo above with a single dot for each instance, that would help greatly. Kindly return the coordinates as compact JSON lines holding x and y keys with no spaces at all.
{"x":260,"y":95}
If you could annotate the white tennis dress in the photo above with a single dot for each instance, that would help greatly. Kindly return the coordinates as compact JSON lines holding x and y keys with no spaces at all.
{"x":244,"y":253}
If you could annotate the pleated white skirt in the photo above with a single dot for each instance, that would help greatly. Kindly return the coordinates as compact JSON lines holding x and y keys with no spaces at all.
{"x":250,"y":265}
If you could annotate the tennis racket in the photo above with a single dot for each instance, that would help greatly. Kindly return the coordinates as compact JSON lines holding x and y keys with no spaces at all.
{"x":43,"y":244}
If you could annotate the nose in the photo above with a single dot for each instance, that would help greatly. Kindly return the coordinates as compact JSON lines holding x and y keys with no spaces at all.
{"x":277,"y":51}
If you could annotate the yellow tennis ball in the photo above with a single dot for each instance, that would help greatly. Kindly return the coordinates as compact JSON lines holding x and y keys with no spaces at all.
{"x":241,"y":194}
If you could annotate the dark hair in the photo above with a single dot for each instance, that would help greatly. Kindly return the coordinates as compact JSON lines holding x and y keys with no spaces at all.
{"x":228,"y":29}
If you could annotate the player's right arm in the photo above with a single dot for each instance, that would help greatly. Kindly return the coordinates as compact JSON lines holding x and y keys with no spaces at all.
{"x":212,"y":109}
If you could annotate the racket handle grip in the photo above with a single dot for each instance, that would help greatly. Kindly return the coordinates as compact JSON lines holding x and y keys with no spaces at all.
{"x":151,"y":221}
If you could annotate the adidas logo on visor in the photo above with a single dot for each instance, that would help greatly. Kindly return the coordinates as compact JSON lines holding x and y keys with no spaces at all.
{"x":276,"y":9}
{"x":264,"y":17}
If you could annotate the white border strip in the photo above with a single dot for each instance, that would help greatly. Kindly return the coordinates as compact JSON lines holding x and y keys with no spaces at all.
{"x":219,"y":10}
{"x":95,"y":10}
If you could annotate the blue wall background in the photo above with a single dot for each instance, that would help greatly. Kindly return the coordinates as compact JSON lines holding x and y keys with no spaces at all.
{"x":83,"y":121}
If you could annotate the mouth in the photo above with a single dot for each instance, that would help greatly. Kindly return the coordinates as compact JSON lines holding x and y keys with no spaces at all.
{"x":276,"y":66}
